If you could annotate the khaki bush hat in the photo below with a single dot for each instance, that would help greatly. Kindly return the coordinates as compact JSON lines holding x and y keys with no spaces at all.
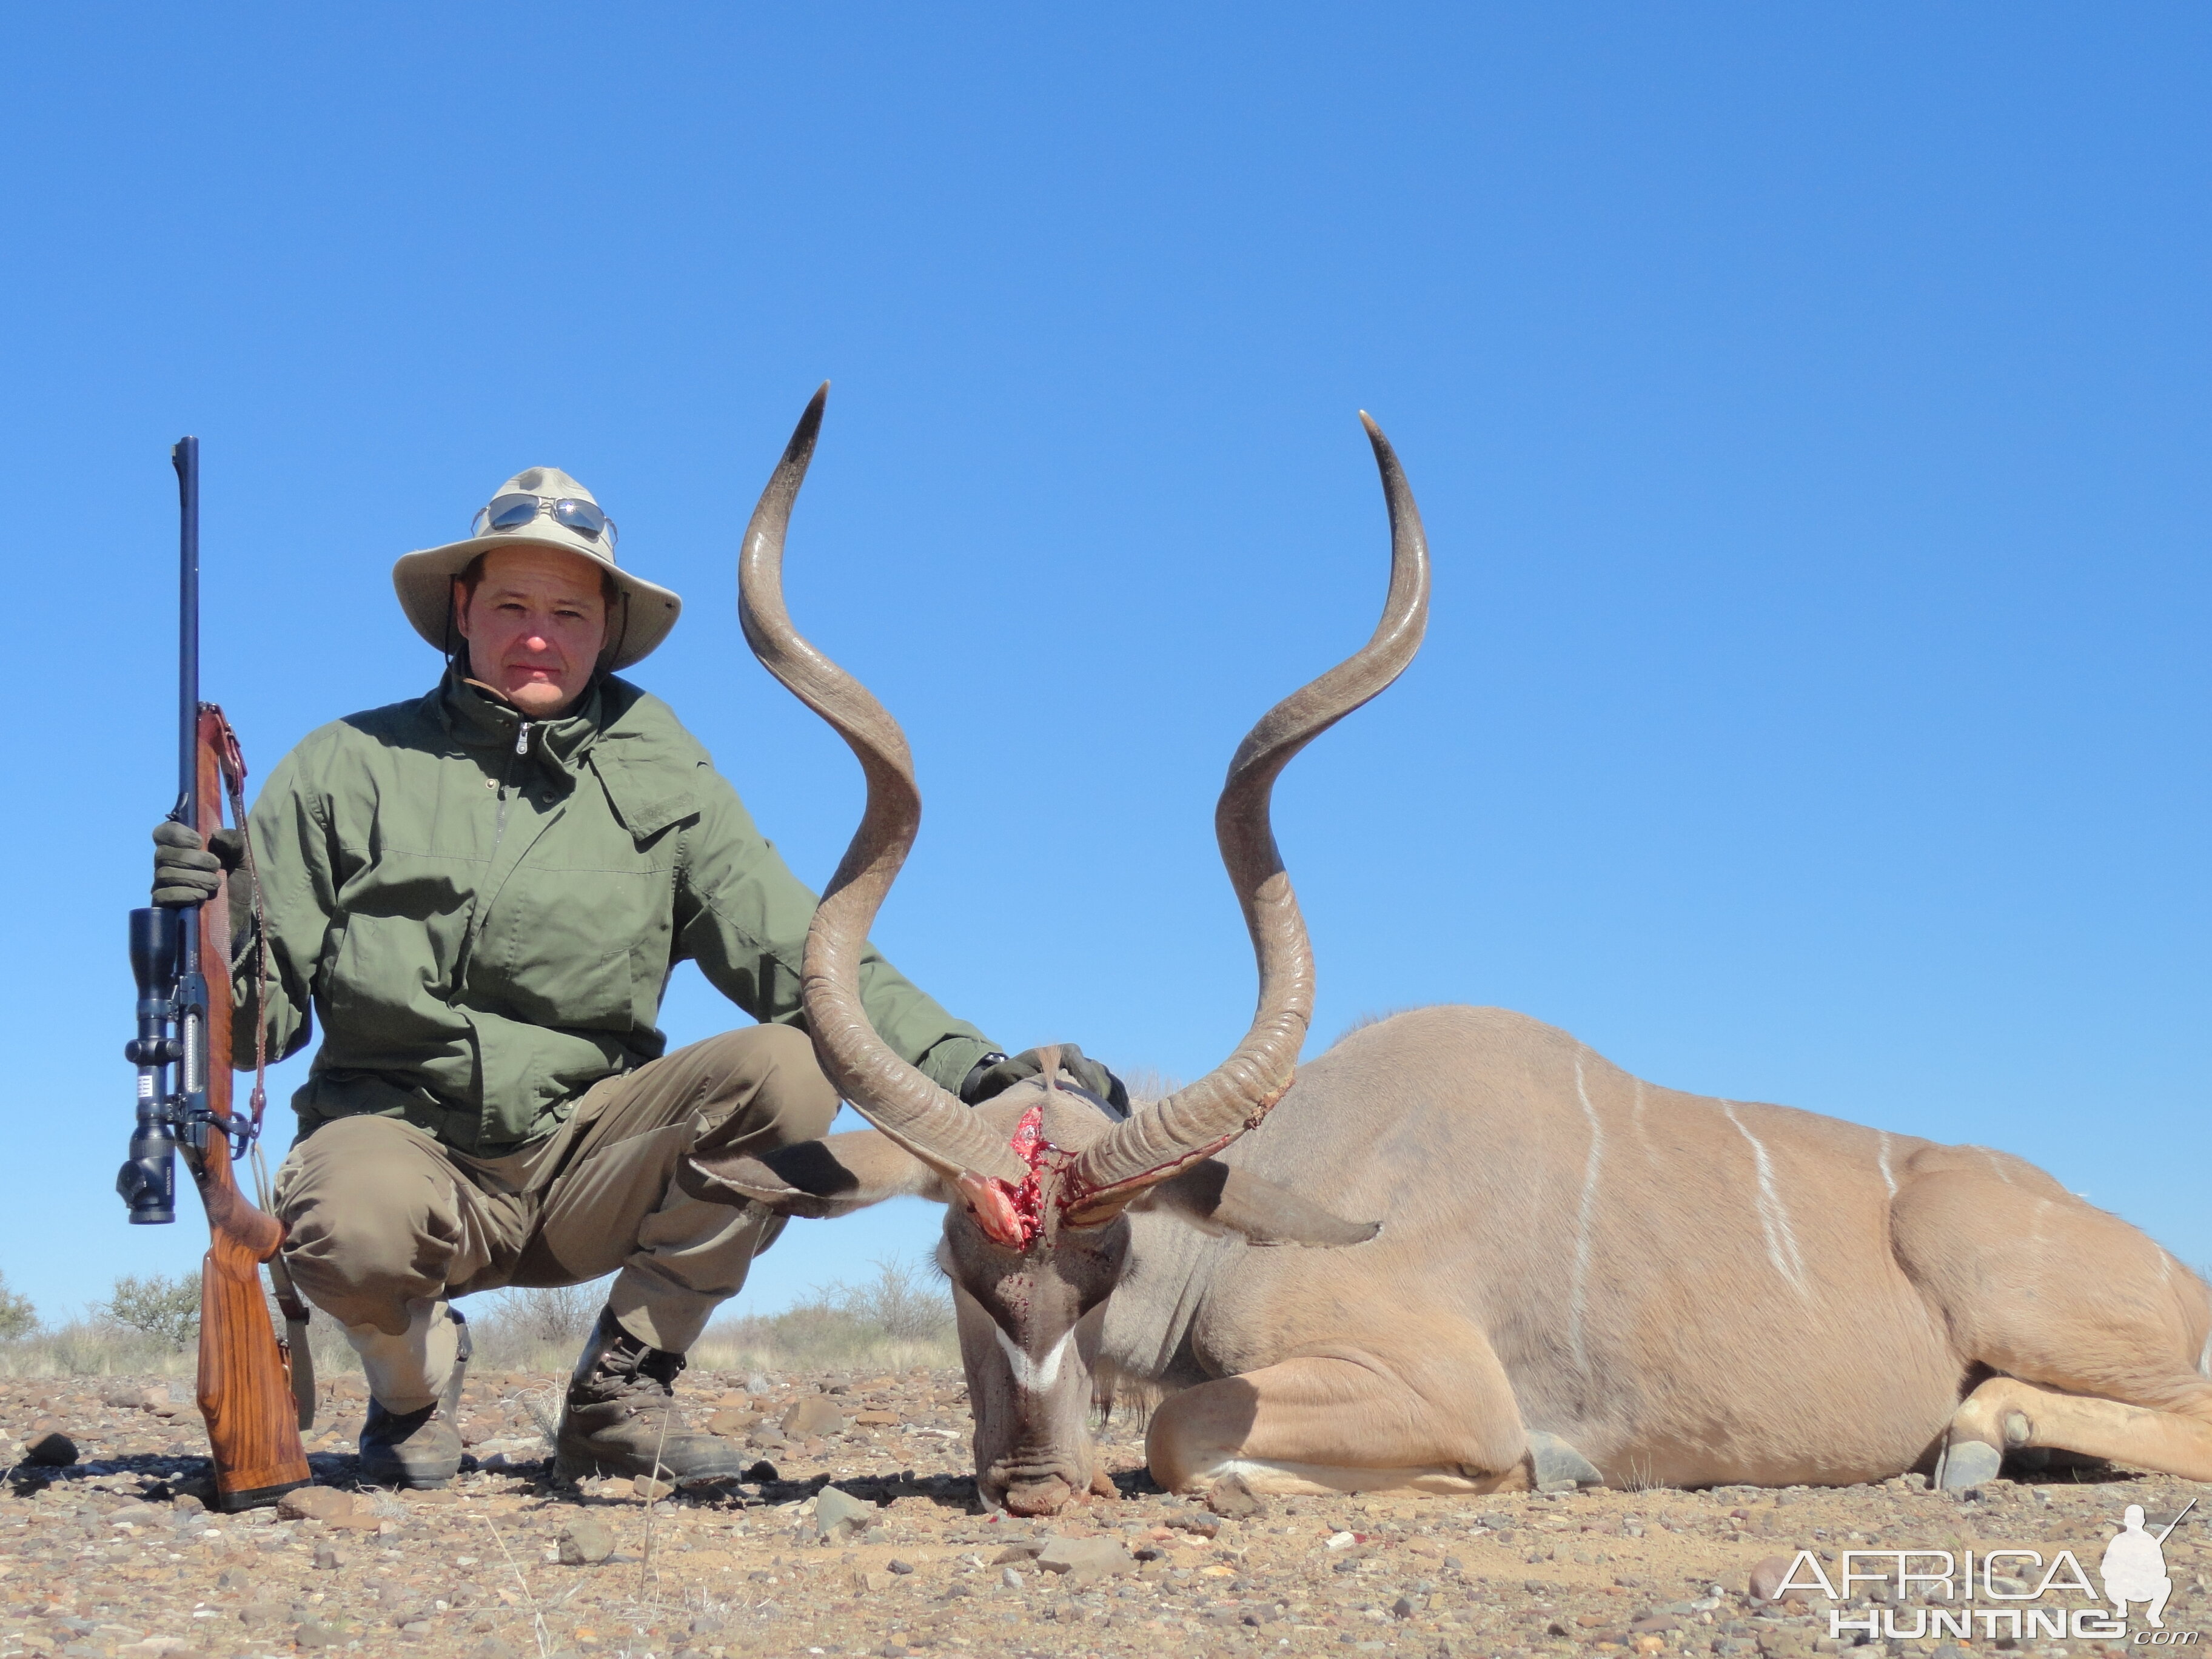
{"x":635,"y":626}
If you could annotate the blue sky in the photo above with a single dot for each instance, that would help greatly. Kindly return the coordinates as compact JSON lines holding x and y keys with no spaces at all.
{"x":1808,"y":406}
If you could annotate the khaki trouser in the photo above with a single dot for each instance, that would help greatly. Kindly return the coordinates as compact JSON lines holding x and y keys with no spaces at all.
{"x":380,"y":1214}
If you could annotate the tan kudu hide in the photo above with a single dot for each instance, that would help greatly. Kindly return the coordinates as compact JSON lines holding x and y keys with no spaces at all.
{"x":1460,"y":1252}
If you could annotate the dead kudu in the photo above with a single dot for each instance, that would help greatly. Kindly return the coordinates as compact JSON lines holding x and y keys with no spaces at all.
{"x":1464,"y":1253}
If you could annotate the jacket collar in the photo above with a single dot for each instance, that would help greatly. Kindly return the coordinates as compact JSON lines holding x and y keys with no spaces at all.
{"x":479,"y":720}
{"x":649,"y":779}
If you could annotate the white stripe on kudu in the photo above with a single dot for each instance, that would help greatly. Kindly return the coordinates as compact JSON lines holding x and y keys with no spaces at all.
{"x":1583,"y":1219}
{"x":1773,"y":1218}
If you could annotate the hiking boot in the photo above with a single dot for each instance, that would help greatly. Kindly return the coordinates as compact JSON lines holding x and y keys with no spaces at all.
{"x":419,"y":1449}
{"x":621,"y":1416}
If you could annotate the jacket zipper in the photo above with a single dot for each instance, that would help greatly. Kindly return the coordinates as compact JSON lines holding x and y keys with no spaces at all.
{"x":498,"y":835}
{"x":521,"y":747}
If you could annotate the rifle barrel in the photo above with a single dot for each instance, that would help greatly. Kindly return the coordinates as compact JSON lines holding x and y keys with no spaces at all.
{"x":186,"y":456}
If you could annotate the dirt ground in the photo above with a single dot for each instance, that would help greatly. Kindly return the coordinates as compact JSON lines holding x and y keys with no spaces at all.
{"x":116,"y":1553}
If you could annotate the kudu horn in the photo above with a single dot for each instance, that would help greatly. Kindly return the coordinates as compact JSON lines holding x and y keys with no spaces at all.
{"x":1234,"y":1096}
{"x":908,"y":1107}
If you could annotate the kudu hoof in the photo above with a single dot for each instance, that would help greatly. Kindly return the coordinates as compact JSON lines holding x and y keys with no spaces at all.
{"x":1554,"y":1466}
{"x":1966,"y":1463}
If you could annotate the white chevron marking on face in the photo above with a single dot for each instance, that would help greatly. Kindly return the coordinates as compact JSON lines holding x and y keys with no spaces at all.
{"x":1034,"y":1376}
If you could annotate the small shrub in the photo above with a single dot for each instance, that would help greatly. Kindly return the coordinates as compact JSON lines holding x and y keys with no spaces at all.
{"x":534,"y":1329}
{"x":901,"y":1304}
{"x":18,"y":1318}
{"x":163,"y":1306}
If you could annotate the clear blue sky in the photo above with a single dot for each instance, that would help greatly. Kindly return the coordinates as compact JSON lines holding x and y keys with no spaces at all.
{"x":1809,"y":406}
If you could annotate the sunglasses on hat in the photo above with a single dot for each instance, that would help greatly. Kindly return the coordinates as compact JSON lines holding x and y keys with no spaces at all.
{"x":511,"y":511}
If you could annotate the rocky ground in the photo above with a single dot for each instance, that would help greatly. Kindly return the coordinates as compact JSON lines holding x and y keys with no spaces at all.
{"x":117,"y":1552}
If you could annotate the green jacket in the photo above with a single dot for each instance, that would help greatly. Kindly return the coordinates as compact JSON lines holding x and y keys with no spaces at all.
{"x":484,"y":911}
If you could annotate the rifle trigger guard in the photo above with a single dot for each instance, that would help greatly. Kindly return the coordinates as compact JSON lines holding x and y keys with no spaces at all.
{"x":238,"y":1132}
{"x":241,"y":1134}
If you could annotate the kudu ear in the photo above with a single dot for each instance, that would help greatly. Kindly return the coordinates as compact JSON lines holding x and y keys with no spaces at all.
{"x":1212,"y":1195}
{"x":815,"y":1178}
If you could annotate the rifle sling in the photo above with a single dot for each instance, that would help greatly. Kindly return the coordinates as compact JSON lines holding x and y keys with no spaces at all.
{"x":302,"y":1356}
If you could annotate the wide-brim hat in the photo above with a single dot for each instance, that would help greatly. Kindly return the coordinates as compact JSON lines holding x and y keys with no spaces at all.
{"x":636,"y":625}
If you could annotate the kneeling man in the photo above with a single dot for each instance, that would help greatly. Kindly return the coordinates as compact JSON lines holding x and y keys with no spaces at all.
{"x":480,"y":893}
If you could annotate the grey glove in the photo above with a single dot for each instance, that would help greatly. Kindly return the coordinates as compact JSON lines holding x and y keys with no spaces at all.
{"x":187,"y":870}
{"x":995,"y":1073}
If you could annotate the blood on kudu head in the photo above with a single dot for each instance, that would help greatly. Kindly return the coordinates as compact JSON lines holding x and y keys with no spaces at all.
{"x":1037,"y":1181}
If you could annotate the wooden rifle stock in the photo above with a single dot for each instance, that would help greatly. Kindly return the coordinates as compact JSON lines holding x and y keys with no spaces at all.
{"x":245,"y":1373}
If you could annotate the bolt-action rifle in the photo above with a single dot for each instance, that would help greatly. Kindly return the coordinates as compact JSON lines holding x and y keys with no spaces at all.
{"x":181,"y":959}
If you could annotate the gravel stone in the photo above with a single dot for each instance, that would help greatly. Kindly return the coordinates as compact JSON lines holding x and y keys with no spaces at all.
{"x":314,"y":1504}
{"x":50,"y":1450}
{"x":1232,"y":1500}
{"x":1084,"y":1561}
{"x":814,"y":1415}
{"x":839,"y":1515}
{"x":585,"y":1541}
{"x":1764,"y":1583}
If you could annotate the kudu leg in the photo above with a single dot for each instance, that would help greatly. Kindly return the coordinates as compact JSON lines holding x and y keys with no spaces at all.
{"x":1322,"y":1426}
{"x":2007,"y":1414}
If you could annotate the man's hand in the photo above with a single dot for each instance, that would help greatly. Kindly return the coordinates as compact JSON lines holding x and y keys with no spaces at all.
{"x":996,"y":1075}
{"x":187,"y":870}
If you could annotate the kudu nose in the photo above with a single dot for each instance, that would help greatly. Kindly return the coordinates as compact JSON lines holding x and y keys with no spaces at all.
{"x":1046,"y":1496}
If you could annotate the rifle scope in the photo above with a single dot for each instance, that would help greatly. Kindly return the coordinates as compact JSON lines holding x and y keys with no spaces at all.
{"x":148,"y":1180}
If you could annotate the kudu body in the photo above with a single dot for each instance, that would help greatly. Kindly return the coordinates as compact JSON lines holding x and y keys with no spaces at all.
{"x":1462,"y":1252}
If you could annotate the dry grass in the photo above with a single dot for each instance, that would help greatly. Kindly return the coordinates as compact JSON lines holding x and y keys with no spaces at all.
{"x":1146,"y":1083}
{"x":900,"y":1319}
{"x":100,"y":1347}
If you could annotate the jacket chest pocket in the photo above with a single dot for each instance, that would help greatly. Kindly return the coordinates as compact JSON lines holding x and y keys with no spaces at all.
{"x":572,"y":948}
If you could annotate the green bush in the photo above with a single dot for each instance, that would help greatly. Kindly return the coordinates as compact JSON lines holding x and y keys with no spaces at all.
{"x":18,"y":1318}
{"x":165,"y":1308}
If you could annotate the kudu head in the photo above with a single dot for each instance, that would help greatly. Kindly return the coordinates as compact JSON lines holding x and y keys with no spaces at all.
{"x":1038,"y":1183}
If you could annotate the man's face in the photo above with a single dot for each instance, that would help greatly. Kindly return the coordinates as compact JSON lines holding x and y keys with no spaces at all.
{"x":534,"y":625}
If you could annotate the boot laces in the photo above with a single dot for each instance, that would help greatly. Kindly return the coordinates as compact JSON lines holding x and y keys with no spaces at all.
{"x":630,"y":1367}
